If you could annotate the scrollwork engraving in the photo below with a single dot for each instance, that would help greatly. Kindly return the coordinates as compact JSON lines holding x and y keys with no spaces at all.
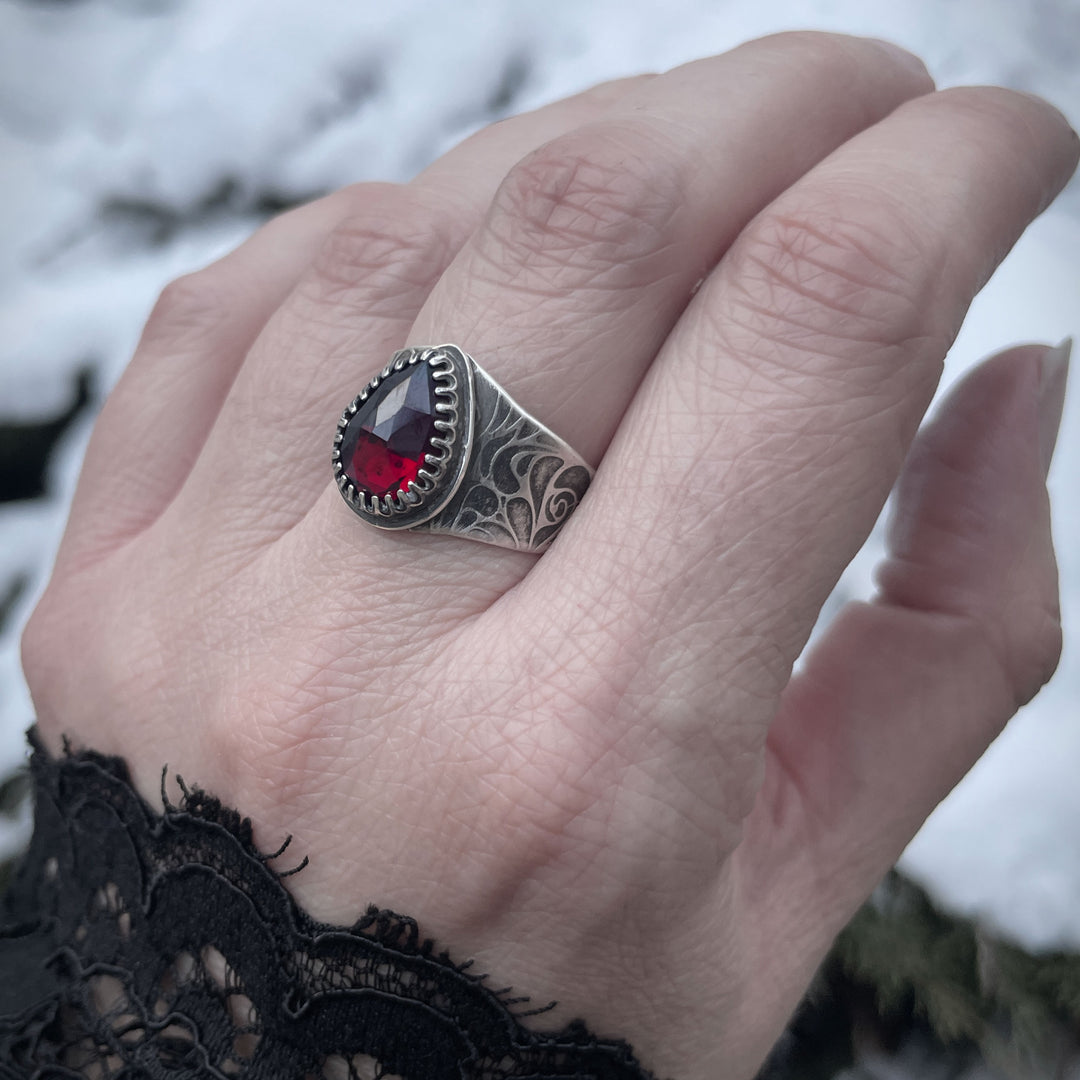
{"x":522,"y":482}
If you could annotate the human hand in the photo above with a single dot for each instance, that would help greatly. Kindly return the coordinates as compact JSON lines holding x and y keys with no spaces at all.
{"x":735,"y":284}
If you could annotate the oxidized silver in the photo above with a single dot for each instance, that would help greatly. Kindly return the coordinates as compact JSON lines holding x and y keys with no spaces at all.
{"x":496,"y":474}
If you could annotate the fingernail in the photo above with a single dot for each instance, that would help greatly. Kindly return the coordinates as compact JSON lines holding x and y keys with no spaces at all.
{"x":1054,"y":373}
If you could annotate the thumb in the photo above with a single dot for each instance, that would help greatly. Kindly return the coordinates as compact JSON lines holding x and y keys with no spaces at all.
{"x":904,"y":693}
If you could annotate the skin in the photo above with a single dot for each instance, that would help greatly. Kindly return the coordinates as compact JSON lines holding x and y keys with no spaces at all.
{"x":731,"y":287}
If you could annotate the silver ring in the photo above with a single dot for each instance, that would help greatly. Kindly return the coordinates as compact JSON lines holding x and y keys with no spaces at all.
{"x":434,"y":444}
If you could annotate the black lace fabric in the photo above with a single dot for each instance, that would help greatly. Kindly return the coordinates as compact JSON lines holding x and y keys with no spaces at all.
{"x":140,"y":945}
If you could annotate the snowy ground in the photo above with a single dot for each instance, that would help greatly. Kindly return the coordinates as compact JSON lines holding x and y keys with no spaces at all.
{"x":140,"y":138}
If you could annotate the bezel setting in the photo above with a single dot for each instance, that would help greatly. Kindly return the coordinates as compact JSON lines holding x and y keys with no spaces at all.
{"x":441,"y":474}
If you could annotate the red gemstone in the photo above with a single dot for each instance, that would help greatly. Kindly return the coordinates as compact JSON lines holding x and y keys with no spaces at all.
{"x":384,"y":444}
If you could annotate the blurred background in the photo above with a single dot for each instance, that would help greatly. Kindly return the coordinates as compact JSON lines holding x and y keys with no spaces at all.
{"x":139,"y":139}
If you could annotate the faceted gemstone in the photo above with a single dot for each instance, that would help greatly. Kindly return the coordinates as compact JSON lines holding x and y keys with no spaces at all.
{"x":384,"y":444}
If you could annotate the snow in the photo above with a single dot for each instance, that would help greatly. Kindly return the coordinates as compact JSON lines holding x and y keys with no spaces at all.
{"x":139,"y":138}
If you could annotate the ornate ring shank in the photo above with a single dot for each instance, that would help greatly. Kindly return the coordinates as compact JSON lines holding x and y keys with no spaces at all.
{"x":434,"y":444}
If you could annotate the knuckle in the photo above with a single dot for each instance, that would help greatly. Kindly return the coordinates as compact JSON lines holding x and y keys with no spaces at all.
{"x":188,"y":309}
{"x":394,"y":242}
{"x":1022,"y":642}
{"x":40,"y":649}
{"x":595,"y":200}
{"x":815,"y":283}
{"x":1048,"y":643}
{"x":59,"y":629}
{"x":1030,"y":656}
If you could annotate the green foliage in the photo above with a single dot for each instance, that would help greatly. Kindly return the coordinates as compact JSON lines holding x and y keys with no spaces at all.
{"x":1022,"y":1011}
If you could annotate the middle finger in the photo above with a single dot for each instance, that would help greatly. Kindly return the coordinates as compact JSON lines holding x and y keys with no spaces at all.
{"x":590,"y":249}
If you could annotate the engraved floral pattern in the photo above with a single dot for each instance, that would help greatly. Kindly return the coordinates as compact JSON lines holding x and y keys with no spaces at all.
{"x":522,"y":482}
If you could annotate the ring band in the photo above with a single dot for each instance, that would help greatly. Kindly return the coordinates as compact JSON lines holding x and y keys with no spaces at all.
{"x":434,"y":444}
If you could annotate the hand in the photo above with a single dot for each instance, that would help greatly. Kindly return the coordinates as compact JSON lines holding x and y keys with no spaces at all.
{"x":732,"y":287}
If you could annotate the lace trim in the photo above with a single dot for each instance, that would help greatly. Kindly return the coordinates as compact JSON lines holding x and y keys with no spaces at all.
{"x":142,"y":945}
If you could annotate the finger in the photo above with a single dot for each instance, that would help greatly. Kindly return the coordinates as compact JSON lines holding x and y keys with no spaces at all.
{"x":902,"y":695}
{"x":628,"y":204}
{"x":350,"y":308}
{"x":763,"y":445}
{"x":594,"y":243}
{"x":157,"y":419}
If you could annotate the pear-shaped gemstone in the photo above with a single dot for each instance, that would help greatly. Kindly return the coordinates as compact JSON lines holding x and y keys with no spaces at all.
{"x":383,"y":445}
